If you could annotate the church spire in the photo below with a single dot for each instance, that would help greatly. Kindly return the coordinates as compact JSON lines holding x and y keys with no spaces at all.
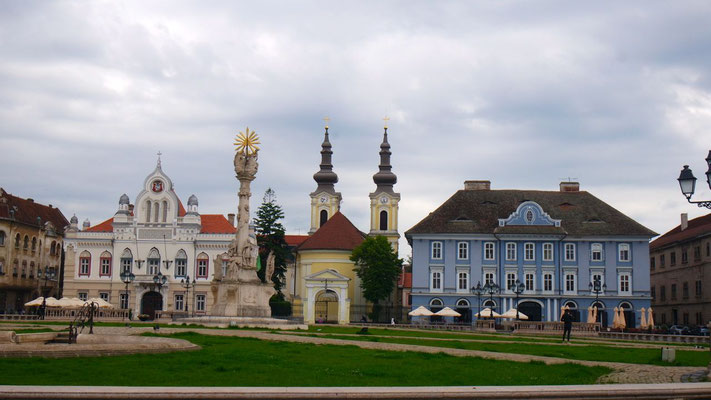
{"x":385,"y":178}
{"x":325,"y":177}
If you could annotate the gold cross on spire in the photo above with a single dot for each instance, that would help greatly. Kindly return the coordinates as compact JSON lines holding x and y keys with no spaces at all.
{"x":386,"y":119}
{"x":326,"y":119}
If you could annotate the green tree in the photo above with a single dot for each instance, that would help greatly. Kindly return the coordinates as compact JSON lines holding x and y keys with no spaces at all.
{"x":378,"y":268}
{"x":270,"y":238}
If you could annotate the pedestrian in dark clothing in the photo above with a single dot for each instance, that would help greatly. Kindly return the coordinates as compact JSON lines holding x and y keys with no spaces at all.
{"x":567,"y":324}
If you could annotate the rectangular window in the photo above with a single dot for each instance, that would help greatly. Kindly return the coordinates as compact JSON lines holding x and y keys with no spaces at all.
{"x":698,"y":288}
{"x":663,"y":293}
{"x":179,"y":302}
{"x":708,"y":249}
{"x":462,"y":251}
{"x":105,"y":269}
{"x":510,"y":280}
{"x":436,"y":250}
{"x":624,"y":283}
{"x":685,"y":317}
{"x":548,"y":282}
{"x":202,"y":268}
{"x":489,"y":251}
{"x":84,"y":266}
{"x":200,"y":302}
{"x":570,"y":283}
{"x":126,"y":265}
{"x":652,"y":263}
{"x":653,"y":293}
{"x":624,"y":252}
{"x":529,"y":252}
{"x":672,"y":258}
{"x":547,"y":251}
{"x":104,"y":296}
{"x":673,"y":291}
{"x":83,"y":296}
{"x":489,"y":278}
{"x":684,"y":256}
{"x":662,"y":260}
{"x":697,"y":253}
{"x":463,"y":281}
{"x":153,"y":266}
{"x":530,"y":281}
{"x":123,"y":300}
{"x":596,"y":252}
{"x":570,"y":252}
{"x":181,"y":266}
{"x":685,"y":290}
{"x":511,"y":251}
{"x":436,"y":280}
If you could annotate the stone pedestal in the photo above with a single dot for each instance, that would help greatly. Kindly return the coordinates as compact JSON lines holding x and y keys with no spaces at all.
{"x":234,"y":298}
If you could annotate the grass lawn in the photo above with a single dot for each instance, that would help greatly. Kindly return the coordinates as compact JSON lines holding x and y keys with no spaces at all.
{"x":231,"y":361}
{"x":588,"y":352}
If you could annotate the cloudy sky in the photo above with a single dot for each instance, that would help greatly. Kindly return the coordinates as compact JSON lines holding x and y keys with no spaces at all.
{"x":614,"y":94}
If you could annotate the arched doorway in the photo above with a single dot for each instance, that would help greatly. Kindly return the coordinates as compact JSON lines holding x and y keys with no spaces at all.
{"x":326,"y":306}
{"x":436,"y":305}
{"x":533,"y":310}
{"x":150,"y":303}
{"x":601,"y":313}
{"x":628,"y":312}
{"x":573,"y":307}
{"x":464,"y":309}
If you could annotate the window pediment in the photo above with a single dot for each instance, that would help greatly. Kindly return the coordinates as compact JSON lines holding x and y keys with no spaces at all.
{"x":529,"y":213}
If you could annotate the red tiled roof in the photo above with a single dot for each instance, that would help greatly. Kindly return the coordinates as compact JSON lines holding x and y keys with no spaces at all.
{"x":405,"y":280}
{"x":338,"y":233}
{"x":295,"y":240}
{"x":181,"y":209}
{"x":697,"y":227}
{"x":215,"y":223}
{"x":27,"y":211}
{"x":106,"y":226}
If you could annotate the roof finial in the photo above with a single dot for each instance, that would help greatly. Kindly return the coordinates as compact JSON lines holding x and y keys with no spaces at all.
{"x":326,"y":119}
{"x":386,"y":119}
{"x":159,"y":154}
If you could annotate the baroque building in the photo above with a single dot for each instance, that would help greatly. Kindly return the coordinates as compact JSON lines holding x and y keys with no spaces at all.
{"x":157,"y":237}
{"x":323,"y":283}
{"x":31,"y":243}
{"x":556,"y":243}
{"x":680,"y":268}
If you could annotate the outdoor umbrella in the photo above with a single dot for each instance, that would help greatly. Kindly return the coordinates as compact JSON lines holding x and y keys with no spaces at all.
{"x":420,"y":311}
{"x":35,"y":303}
{"x":643,"y":318}
{"x":650,"y":318}
{"x":67,"y":302}
{"x":512,"y":314}
{"x":447,"y":312}
{"x":101,"y":303}
{"x":488,"y":313}
{"x":51,"y":302}
{"x":622,"y":321}
{"x":591,"y":315}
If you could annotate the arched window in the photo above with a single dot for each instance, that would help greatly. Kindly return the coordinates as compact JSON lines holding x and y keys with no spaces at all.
{"x":85,"y":263}
{"x":462,"y":303}
{"x":17,"y":241}
{"x":323,"y":217}
{"x":153,"y":261}
{"x":2,"y":238}
{"x":32,"y":269}
{"x":26,"y":243}
{"x":202,"y":266}
{"x":148,"y":211}
{"x":165,"y":211}
{"x":105,"y":264}
{"x":51,"y":249}
{"x":55,"y":245}
{"x":156,"y":212}
{"x":126,"y":261}
{"x":181,"y":263}
{"x":490,"y":304}
{"x":383,"y":220}
{"x":571,"y":304}
{"x":34,"y":244}
{"x":24,"y":269}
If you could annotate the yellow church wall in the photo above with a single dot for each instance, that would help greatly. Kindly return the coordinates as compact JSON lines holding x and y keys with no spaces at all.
{"x":314,"y":261}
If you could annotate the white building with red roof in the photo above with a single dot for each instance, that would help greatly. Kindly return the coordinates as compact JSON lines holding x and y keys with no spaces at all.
{"x":154,"y":238}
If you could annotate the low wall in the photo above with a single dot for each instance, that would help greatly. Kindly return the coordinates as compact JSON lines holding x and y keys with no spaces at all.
{"x":22,"y":317}
{"x":649,"y":337}
{"x":102,"y":314}
{"x":42,"y":337}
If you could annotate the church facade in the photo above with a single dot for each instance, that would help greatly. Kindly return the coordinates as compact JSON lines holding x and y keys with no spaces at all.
{"x":325,"y":284}
{"x":155,"y":239}
{"x":557,"y":244}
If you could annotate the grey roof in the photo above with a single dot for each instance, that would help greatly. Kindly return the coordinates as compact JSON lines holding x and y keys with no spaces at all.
{"x":325,"y":177}
{"x":478,"y":212}
{"x":124,"y":199}
{"x":385,"y":178}
{"x":192,"y":200}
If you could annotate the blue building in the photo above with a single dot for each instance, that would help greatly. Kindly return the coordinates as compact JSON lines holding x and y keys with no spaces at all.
{"x":555,"y":243}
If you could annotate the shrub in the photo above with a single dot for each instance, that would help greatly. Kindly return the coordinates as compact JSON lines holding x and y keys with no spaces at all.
{"x":280,"y":308}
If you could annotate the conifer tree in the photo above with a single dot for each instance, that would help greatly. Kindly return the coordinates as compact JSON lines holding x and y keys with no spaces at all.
{"x":270,"y":238}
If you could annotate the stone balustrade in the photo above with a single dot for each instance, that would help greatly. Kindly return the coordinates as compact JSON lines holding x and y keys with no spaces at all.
{"x":102,"y":314}
{"x":651,"y":337}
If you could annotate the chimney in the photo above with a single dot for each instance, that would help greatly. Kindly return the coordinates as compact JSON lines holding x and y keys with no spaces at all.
{"x":477,"y":185}
{"x":31,"y":200}
{"x":130,"y":208}
{"x":231,"y":218}
{"x":569,"y":186}
{"x":684,"y":221}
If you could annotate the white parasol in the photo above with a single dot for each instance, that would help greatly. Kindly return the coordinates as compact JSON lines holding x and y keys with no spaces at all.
{"x":512,"y":314}
{"x":447,"y":312}
{"x":420,"y":311}
{"x":488,"y":313}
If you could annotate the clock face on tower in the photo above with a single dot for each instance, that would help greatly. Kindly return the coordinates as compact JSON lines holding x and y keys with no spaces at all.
{"x":323,"y":199}
{"x":157,"y":186}
{"x":383,"y":199}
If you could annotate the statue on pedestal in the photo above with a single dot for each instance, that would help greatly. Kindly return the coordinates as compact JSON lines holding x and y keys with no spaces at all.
{"x":240,"y":292}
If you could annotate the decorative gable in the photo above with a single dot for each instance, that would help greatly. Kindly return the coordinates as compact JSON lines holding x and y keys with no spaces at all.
{"x":529,"y":213}
{"x":329,"y":275}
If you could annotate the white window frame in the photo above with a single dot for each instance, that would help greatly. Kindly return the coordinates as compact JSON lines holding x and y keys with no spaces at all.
{"x":529,"y":246}
{"x":83,"y":296}
{"x":511,"y":249}
{"x":462,"y":250}
{"x":84,"y":264}
{"x":621,"y":278}
{"x":465,"y":274}
{"x":105,"y":266}
{"x":597,"y":248}
{"x":489,"y":276}
{"x":436,"y":250}
{"x":566,"y":274}
{"x":123,"y":300}
{"x":566,"y":253}
{"x":200,"y":300}
{"x":105,"y":296}
{"x":179,"y":302}
{"x":532,"y":275}
{"x":181,"y":267}
{"x":489,"y":247}
{"x":601,"y":274}
{"x":436,"y":279}
{"x":511,"y":277}
{"x":623,"y":248}
{"x":548,"y":247}
{"x":552,"y":282}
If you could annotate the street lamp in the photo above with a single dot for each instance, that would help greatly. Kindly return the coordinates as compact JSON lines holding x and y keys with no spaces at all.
{"x":596,"y":288}
{"x":187,"y":285}
{"x":48,"y":275}
{"x":159,"y":280}
{"x":687,"y":183}
{"x":478,"y":290}
{"x":491,"y":288}
{"x":127,"y":277}
{"x":517,"y":288}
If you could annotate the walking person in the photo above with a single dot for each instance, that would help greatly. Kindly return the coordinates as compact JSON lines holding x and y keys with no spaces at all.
{"x":567,"y":324}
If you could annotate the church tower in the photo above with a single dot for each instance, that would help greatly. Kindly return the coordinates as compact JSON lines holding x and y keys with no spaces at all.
{"x":384,"y":201}
{"x":325,"y":201}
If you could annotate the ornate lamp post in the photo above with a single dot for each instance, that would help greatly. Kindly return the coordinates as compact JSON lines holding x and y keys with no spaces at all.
{"x":159,"y":280}
{"x":187,"y":284}
{"x":687,"y":183}
{"x":48,"y":275}
{"x":517,"y":288}
{"x":478,"y":290}
{"x":491,"y":288}
{"x":596,"y":288}
{"x":127,"y":277}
